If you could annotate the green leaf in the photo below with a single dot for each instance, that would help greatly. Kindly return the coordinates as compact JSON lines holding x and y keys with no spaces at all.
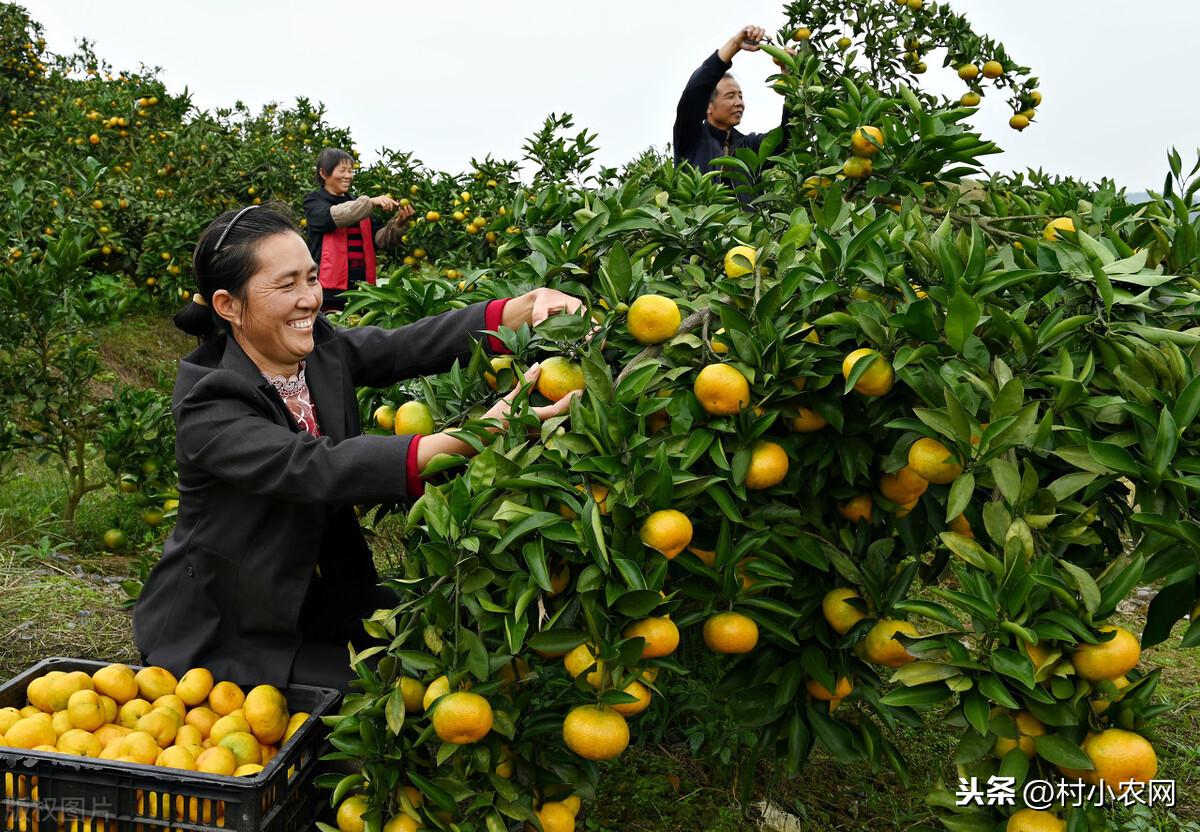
{"x":1012,"y":664}
{"x":961,"y":319}
{"x":1086,"y":585}
{"x":972,"y":553}
{"x":557,"y":640}
{"x":1187,"y":406}
{"x":1166,"y":442}
{"x":960,"y":495}
{"x":1008,"y":479}
{"x":920,"y":696}
{"x":1057,"y":749}
{"x":620,"y":275}
{"x":1113,"y":457}
{"x":533,"y":522}
{"x":394,"y":712}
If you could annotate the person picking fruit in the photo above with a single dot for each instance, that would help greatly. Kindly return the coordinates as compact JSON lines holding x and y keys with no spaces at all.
{"x":711,"y":106}
{"x":266,"y":575}
{"x":343,"y":232}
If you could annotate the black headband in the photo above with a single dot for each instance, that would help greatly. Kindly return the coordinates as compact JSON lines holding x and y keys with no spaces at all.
{"x":236,"y":217}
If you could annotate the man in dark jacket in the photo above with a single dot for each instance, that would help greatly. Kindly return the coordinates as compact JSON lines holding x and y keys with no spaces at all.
{"x":711,"y":106}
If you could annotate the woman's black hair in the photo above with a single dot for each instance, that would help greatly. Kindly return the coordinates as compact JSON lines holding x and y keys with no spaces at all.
{"x":328,"y":159}
{"x":225,"y":258}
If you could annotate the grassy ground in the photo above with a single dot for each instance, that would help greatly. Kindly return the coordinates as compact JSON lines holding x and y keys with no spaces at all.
{"x":64,"y":598}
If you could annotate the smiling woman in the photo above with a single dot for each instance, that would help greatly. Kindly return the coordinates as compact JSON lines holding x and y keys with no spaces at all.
{"x":343,"y":233}
{"x":266,"y":575}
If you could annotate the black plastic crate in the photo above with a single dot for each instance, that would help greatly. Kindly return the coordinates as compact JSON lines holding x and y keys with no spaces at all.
{"x":46,"y":792}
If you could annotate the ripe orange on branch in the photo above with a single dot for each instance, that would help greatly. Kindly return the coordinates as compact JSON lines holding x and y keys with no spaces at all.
{"x":660,"y":633}
{"x":558,"y":377}
{"x":653,"y":319}
{"x":721,"y":389}
{"x":730,"y":632}
{"x":1107,"y":659}
{"x":933,"y":461}
{"x":462,"y":717}
{"x":768,"y":466}
{"x":866,"y":141}
{"x":595,"y":732}
{"x":877,"y":379}
{"x":669,"y":531}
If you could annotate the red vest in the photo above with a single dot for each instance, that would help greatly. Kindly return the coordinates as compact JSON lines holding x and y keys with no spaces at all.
{"x":334,"y":267}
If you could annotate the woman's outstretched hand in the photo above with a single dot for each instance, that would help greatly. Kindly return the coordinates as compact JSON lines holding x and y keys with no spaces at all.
{"x":503,"y":409}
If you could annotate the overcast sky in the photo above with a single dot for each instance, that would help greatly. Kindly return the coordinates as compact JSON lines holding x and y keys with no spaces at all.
{"x":452,"y":80}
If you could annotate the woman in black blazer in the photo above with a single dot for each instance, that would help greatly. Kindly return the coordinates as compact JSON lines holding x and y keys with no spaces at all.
{"x":266,"y":574}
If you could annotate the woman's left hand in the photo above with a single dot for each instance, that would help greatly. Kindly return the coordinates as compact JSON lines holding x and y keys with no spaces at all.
{"x":534,"y":307}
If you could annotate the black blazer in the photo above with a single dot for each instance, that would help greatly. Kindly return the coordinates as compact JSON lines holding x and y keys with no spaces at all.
{"x":262,"y":502}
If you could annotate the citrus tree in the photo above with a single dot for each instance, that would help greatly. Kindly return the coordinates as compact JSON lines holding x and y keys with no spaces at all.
{"x":881,"y":438}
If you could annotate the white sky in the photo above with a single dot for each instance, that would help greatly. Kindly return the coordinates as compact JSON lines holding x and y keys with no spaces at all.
{"x":452,"y":80}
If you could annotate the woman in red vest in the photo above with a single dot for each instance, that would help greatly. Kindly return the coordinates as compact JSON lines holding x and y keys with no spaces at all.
{"x":343,"y":234}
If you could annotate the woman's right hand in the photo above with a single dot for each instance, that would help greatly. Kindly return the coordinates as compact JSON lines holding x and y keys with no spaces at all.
{"x":503,"y":408}
{"x":385,"y":202}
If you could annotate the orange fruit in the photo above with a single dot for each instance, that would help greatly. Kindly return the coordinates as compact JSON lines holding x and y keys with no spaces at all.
{"x":653,"y":319}
{"x":202,"y":718}
{"x":877,"y":380}
{"x":808,"y":421}
{"x":79,"y":742}
{"x":133,"y":710}
{"x":1120,"y":756}
{"x":462,"y":717}
{"x":735,"y":269}
{"x":933,"y":461}
{"x":721,"y":389}
{"x":968,"y":72}
{"x":993,"y":69}
{"x":882,"y":649}
{"x":413,"y":419}
{"x":768,"y":466}
{"x":558,"y":377}
{"x":667,"y":531}
{"x":841,"y":616}
{"x":857,"y":508}
{"x":856,"y":167}
{"x":351,"y":810}
{"x":904,"y":486}
{"x":970,"y":99}
{"x":30,"y":732}
{"x":580,"y":659}
{"x":960,"y":524}
{"x":85,"y":710}
{"x":819,"y":691}
{"x":1108,"y":659}
{"x":266,"y":712}
{"x":660,"y":633}
{"x":865,"y":140}
{"x":1028,"y":727}
{"x":555,"y":817}
{"x":595,"y":732}
{"x":1035,"y":820}
{"x":225,"y":698}
{"x":730,"y":633}
{"x":638,"y":690}
{"x":401,"y":823}
{"x":154,"y":682}
{"x":1019,"y":122}
{"x":217,"y":760}
{"x":413,"y":693}
{"x":438,"y":688}
{"x":1050,"y":232}
{"x":245,"y":748}
{"x":498,"y":363}
{"x":116,"y":681}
